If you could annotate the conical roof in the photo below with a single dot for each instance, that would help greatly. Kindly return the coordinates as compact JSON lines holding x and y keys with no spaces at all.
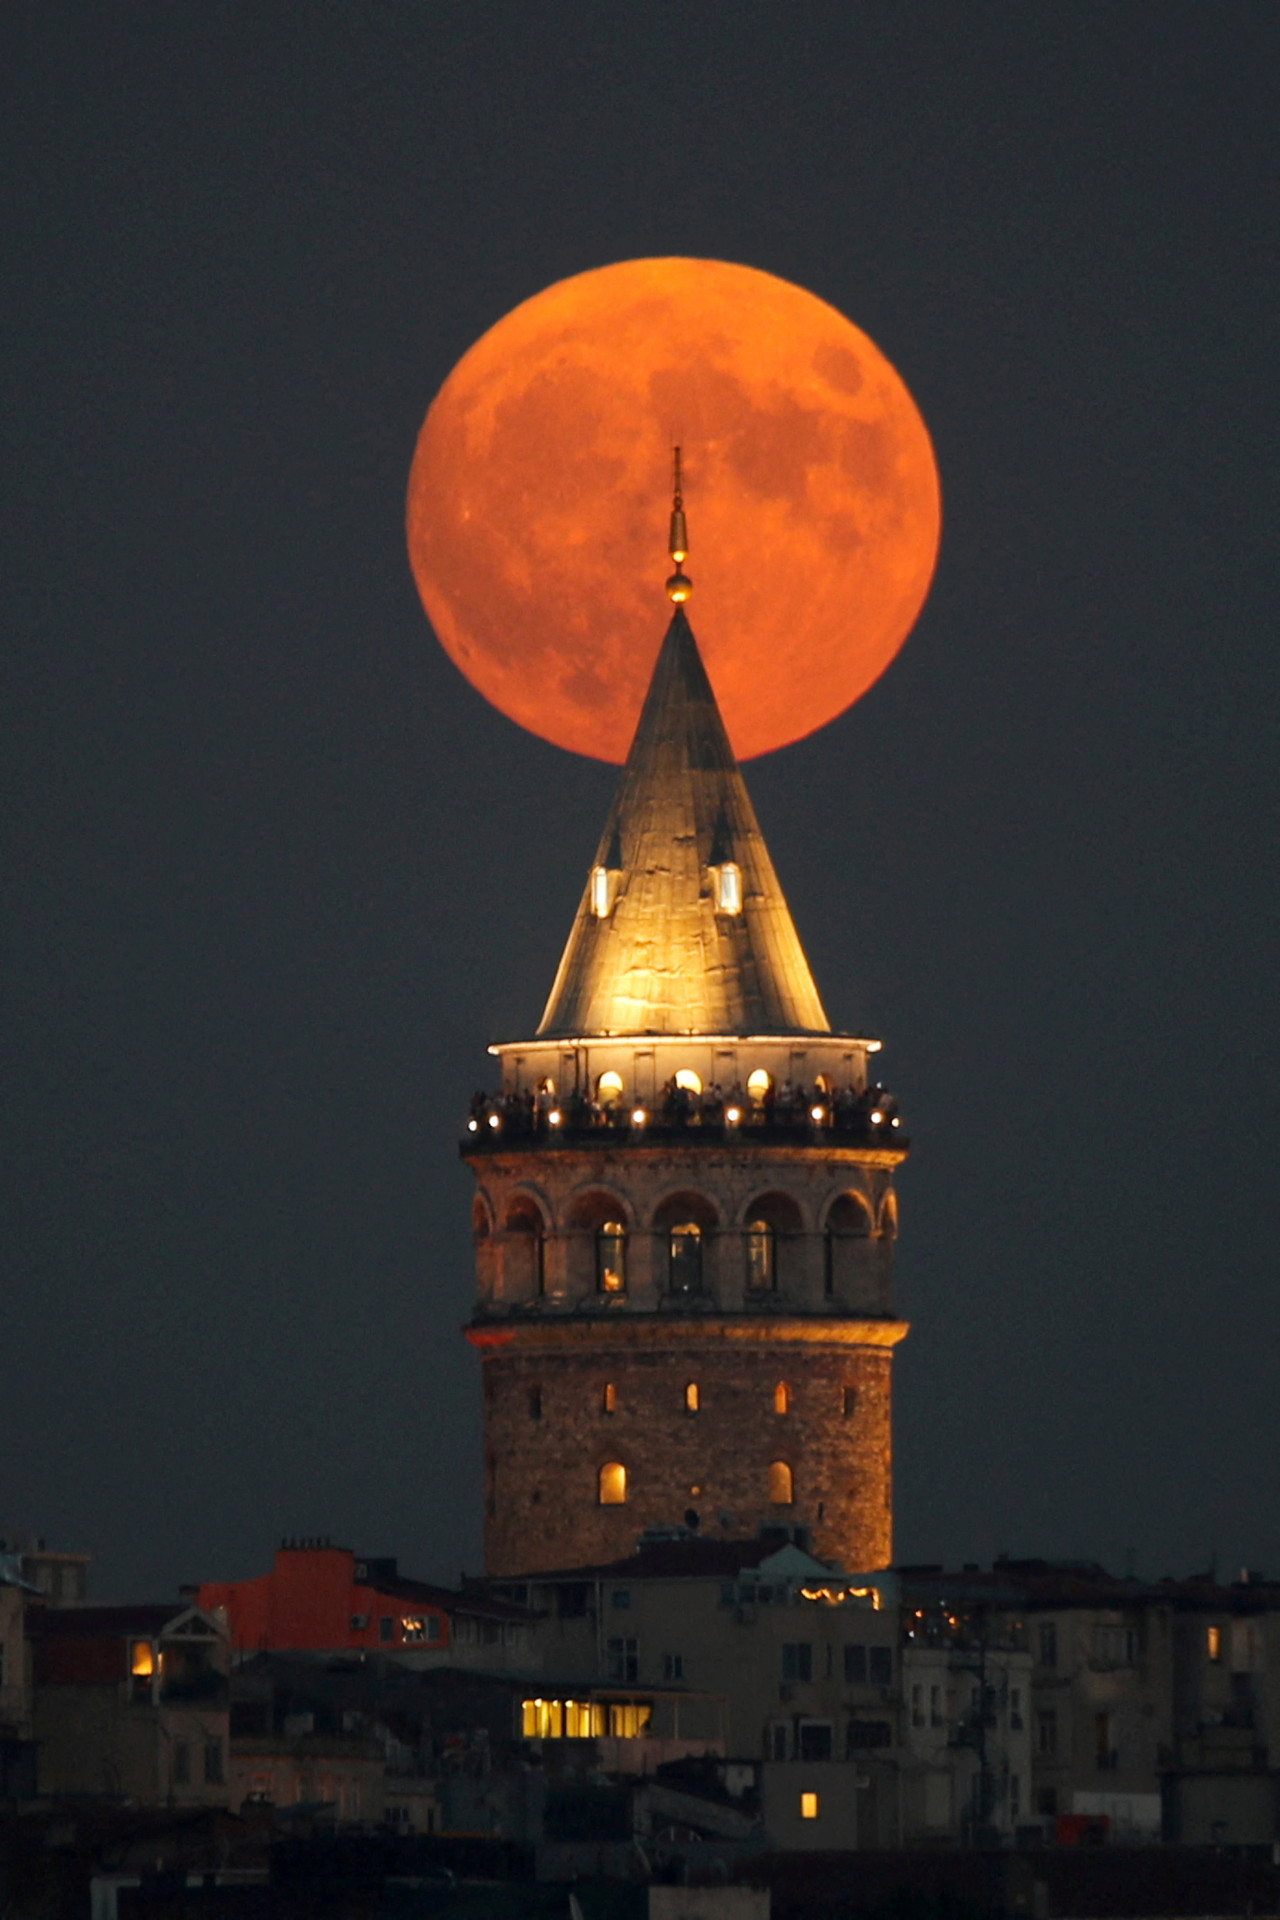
{"x":665,"y":956}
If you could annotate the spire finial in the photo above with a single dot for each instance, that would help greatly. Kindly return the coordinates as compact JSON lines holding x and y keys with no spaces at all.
{"x":679,"y":586}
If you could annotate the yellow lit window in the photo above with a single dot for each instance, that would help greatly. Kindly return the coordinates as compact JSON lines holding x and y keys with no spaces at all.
{"x":1213,"y":1639}
{"x":611,"y":1257}
{"x":142,"y":1660}
{"x":600,"y":892}
{"x":609,"y":1087}
{"x":762,"y":1255}
{"x":691,"y":1397}
{"x":758,"y":1084}
{"x":728,"y":887}
{"x":609,"y":1398}
{"x":613,"y":1484}
{"x":782,"y":1398}
{"x":808,"y":1806}
{"x":781,"y":1484}
{"x":689,"y":1080}
{"x":628,"y":1720}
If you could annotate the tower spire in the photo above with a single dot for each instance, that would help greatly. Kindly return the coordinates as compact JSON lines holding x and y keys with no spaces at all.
{"x":679,"y":586}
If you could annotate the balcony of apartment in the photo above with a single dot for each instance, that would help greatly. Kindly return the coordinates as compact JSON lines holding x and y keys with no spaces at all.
{"x":686,"y":1116}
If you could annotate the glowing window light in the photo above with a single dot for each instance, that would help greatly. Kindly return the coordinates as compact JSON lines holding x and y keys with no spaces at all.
{"x":628,"y":1719}
{"x":689,"y":1080}
{"x":1213,"y":1643}
{"x":142,"y":1660}
{"x":758,"y":1083}
{"x":600,"y":892}
{"x":691,"y":1397}
{"x":781,"y":1485}
{"x":609,"y":1399}
{"x":782,"y":1398}
{"x":613,"y":1484}
{"x":728,"y":888}
{"x":609,"y":1086}
{"x":762,"y":1255}
{"x":808,"y":1806}
{"x":611,"y":1257}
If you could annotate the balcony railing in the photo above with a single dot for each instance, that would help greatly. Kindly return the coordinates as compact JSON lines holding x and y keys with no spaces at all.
{"x":868,"y":1119}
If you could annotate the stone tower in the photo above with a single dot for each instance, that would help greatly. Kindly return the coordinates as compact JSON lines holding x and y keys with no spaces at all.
{"x":684,"y":1213}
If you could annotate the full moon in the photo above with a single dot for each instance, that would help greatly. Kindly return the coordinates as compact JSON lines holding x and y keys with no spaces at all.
{"x":541,"y":487}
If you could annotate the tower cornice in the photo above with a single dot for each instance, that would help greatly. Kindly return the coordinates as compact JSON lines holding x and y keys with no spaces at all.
{"x":604,"y":1334}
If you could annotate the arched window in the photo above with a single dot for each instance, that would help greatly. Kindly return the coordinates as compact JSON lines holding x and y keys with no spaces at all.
{"x":728,"y":882}
{"x":781,"y":1485}
{"x":889,"y":1216}
{"x":758,"y":1084}
{"x":609,"y":1088}
{"x":762,"y":1255}
{"x":609,"y":1398}
{"x":611,"y":1257}
{"x":613,"y":1484}
{"x":691,"y":1401}
{"x":773,"y":1224}
{"x":688,"y":1079}
{"x":684,"y":1257}
{"x":524,"y":1223}
{"x":480,"y":1221}
{"x":782,"y":1398}
{"x":848,"y":1222}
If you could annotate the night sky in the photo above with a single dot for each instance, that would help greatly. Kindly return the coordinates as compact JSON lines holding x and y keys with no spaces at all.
{"x":273,"y":875}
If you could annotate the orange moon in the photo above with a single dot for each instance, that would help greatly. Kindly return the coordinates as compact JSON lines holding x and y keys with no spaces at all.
{"x":541,"y":487}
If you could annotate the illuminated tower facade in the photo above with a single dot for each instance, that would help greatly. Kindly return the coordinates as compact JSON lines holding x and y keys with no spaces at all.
{"x":684,"y":1213}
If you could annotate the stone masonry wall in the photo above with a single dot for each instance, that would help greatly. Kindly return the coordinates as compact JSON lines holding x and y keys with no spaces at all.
{"x":549,"y":1430}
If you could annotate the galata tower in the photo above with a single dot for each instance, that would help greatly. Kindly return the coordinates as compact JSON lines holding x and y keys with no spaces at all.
{"x":684,"y":1212}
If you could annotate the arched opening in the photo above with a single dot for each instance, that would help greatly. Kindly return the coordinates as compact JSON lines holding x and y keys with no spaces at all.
{"x":758,"y":1083}
{"x":547,"y":1086}
{"x":611,"y":1257}
{"x":684,"y":1222}
{"x":526,"y":1245}
{"x":481,"y":1220}
{"x":689,"y":1080}
{"x":691,"y":1398}
{"x":597,"y":1249}
{"x":613,"y":1484}
{"x":773,"y":1222}
{"x":609,"y":1398}
{"x":684,"y":1257}
{"x":609,"y":1088}
{"x":782,"y":1398}
{"x":848,"y":1223}
{"x":781,"y":1485}
{"x":889,"y":1216}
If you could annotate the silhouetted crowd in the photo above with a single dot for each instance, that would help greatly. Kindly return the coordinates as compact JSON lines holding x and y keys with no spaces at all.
{"x":871,"y":1114}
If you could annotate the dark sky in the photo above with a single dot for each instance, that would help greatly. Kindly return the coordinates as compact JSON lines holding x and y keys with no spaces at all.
{"x":273,"y":875}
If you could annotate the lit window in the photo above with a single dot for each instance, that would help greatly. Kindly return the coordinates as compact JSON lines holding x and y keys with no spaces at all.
{"x":781,"y":1485}
{"x":414,"y":1627}
{"x":808,"y":1806}
{"x":613,"y":1484}
{"x":691,"y":1397}
{"x":1213,"y":1641}
{"x":684,"y":1258}
{"x":782,"y":1398}
{"x":609,"y":1398}
{"x":762,"y":1254}
{"x":611,"y":1257}
{"x":628,"y":1720}
{"x":728,"y":887}
{"x":609,"y":1088}
{"x":142,"y":1660}
{"x":600,"y":892}
{"x":758,"y":1084}
{"x":689,"y":1080}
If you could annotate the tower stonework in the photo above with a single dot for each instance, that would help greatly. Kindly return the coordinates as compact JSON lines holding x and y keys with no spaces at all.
{"x":684,"y":1212}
